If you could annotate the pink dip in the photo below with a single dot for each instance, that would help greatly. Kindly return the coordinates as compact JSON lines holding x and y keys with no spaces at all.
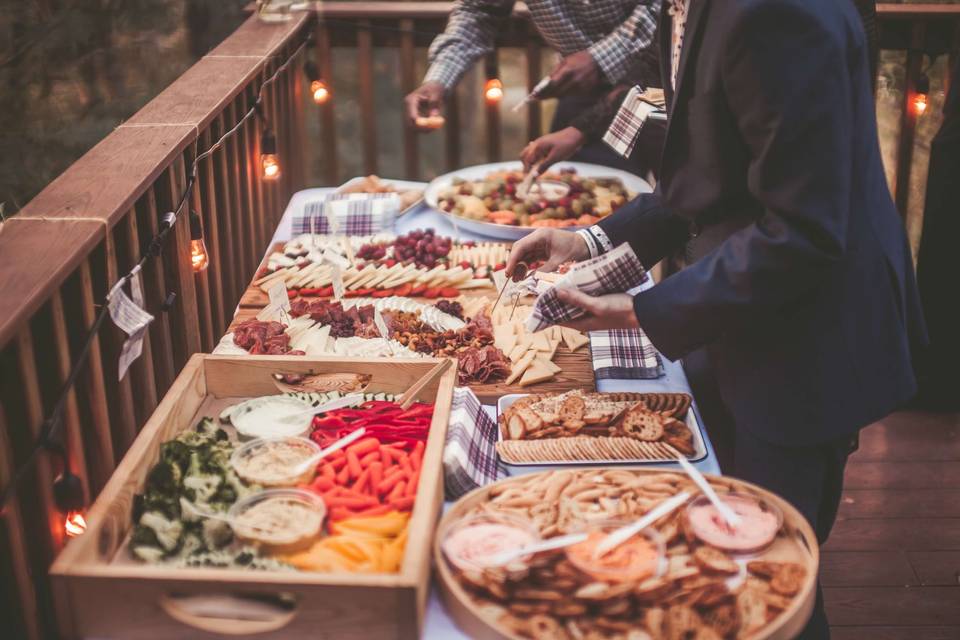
{"x":469,"y":546}
{"x":756,"y":530}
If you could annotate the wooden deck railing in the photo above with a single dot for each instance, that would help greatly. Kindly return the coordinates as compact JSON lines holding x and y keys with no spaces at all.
{"x":59,"y":255}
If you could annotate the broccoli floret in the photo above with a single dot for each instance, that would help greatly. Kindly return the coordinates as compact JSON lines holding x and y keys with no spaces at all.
{"x":191,"y":544}
{"x":201,"y":487}
{"x":216,"y":534}
{"x":176,"y":452}
{"x":167,"y":531}
{"x":144,"y":536}
{"x":164,"y":477}
{"x":165,"y":503}
{"x":148,"y":554}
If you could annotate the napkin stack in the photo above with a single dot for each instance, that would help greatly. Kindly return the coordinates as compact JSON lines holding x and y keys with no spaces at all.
{"x":351,"y":214}
{"x":616,"y":271}
{"x":470,"y":454}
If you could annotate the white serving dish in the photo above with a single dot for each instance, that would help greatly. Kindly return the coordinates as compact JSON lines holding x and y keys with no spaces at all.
{"x":699,"y":446}
{"x":632,"y":182}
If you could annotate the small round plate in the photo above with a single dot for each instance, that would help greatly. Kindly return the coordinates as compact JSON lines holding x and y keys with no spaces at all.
{"x":508,"y":232}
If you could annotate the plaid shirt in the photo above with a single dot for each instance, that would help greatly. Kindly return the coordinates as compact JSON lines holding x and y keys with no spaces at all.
{"x":613,"y":31}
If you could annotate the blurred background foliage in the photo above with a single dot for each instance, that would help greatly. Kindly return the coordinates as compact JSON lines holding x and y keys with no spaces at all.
{"x":72,"y":70}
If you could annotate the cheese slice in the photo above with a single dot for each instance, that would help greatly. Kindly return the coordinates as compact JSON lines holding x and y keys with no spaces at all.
{"x":506,"y":342}
{"x":540,"y":342}
{"x":553,"y":347}
{"x":573,"y":338}
{"x":520,"y":367}
{"x":541,"y":361}
{"x":537,"y":372}
{"x":517,"y":352}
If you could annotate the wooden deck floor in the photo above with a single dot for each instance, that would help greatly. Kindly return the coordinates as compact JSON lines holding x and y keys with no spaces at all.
{"x":891,"y":568}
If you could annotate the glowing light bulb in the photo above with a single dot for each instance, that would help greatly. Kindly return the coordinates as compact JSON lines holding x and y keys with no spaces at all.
{"x":74,"y":524}
{"x":493,"y":91}
{"x":320,"y":91}
{"x":271,"y":166}
{"x":920,"y":103}
{"x":199,"y":257}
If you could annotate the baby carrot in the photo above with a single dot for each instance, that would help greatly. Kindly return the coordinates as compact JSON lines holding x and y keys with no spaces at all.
{"x":412,"y":484}
{"x":362,"y":481}
{"x":397,"y":491}
{"x":368,"y":459}
{"x":389,"y":483}
{"x":338,"y":464}
{"x":322,"y":483}
{"x":376,"y":475}
{"x":353,"y":464}
{"x":351,"y":503}
{"x":327,"y":471}
{"x":402,"y":504}
{"x":343,"y":476}
{"x":379,"y":510}
{"x":365,"y":446}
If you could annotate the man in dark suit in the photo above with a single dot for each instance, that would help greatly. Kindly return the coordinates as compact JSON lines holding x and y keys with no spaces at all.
{"x":799,"y":281}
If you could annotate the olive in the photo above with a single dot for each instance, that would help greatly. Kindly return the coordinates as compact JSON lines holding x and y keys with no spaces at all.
{"x":577,"y":207}
{"x":549,"y":212}
{"x":519,"y":209}
{"x":524,"y":220}
{"x":589,"y":184}
{"x":561,"y":213}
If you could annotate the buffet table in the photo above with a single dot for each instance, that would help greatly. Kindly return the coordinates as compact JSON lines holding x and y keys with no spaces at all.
{"x":438,"y":624}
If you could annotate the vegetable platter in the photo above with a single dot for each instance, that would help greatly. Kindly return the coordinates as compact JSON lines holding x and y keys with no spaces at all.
{"x":219,"y":520}
{"x":687,"y":575}
{"x":480,"y":215}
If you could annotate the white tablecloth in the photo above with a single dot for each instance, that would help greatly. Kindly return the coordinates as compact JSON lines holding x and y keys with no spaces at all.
{"x":438,"y":624}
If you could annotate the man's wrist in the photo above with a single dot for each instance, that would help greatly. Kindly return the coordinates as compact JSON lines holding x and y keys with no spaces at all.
{"x":590,"y":242}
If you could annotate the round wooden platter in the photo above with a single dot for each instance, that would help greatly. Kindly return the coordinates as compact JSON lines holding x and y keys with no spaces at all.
{"x":795,"y":543}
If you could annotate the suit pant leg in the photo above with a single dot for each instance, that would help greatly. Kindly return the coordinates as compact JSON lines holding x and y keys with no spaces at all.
{"x":810,"y":478}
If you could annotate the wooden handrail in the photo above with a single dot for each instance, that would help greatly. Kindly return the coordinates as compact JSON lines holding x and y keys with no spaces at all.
{"x":106,"y":181}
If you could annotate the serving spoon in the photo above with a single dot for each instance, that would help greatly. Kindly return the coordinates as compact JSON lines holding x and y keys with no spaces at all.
{"x":624,"y":533}
{"x":728,"y":514}
{"x":508,"y":555}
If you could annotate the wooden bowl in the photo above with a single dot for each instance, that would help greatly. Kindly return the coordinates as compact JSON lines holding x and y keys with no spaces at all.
{"x":796,"y":543}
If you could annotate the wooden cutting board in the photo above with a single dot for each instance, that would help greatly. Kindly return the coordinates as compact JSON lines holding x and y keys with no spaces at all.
{"x":577,"y":367}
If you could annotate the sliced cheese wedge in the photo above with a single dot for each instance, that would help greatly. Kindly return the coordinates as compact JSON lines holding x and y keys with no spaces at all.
{"x":540,"y":342}
{"x":573,"y":338}
{"x":517,"y":353}
{"x":547,"y":364}
{"x":537,"y":372}
{"x":520,"y":367}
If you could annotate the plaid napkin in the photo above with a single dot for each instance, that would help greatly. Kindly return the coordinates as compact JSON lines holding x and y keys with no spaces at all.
{"x":614,"y":272}
{"x":624,"y":354}
{"x":625,"y":129}
{"x":470,"y":454}
{"x":356,"y":214}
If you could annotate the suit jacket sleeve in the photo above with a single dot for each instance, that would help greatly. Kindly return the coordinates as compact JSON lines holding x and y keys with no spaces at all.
{"x":787,"y":75}
{"x":651,"y":231}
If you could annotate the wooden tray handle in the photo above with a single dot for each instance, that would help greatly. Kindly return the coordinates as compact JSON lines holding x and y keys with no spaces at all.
{"x":268,"y":616}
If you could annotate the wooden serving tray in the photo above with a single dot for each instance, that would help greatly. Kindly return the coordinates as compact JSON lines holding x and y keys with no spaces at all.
{"x":99,"y":596}
{"x":798,"y":545}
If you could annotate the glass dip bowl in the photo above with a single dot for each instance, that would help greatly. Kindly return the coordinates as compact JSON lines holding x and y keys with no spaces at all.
{"x":467,"y":542}
{"x":639,"y":557}
{"x":279,"y":520}
{"x":270,"y":462}
{"x":760,"y":522}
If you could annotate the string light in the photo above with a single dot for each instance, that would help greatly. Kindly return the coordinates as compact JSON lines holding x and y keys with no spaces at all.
{"x":921,"y":89}
{"x":493,"y":91}
{"x":269,"y":161}
{"x":199,"y":257}
{"x":318,"y":88}
{"x":68,"y":496}
{"x":320,"y":91}
{"x":71,"y":501}
{"x":74,"y":524}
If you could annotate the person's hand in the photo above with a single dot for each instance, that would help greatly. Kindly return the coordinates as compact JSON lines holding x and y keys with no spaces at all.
{"x":577,"y":73}
{"x":425,"y":102}
{"x":551,"y":148}
{"x":613,"y":311}
{"x":553,"y":246}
